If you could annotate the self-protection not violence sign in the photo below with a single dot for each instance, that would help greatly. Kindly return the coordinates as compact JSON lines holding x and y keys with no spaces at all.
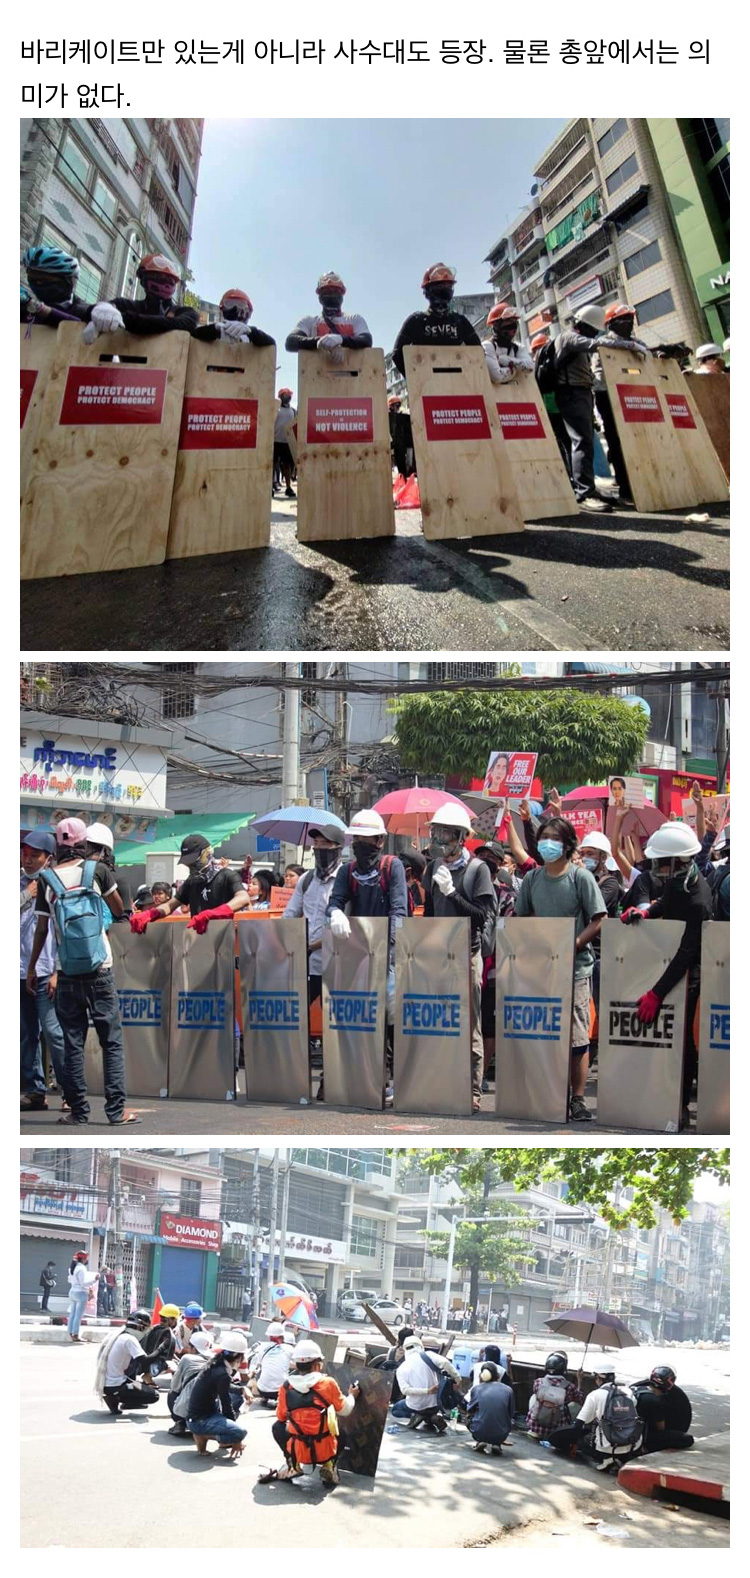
{"x":340,"y":421}
{"x":455,"y":417}
{"x":640,"y":404}
{"x":218,"y":424}
{"x":520,"y":419}
{"x":122,"y":396}
{"x":28,"y":379}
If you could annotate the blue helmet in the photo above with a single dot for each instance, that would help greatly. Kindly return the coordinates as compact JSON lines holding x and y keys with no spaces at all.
{"x":50,"y":260}
{"x":193,"y":1312}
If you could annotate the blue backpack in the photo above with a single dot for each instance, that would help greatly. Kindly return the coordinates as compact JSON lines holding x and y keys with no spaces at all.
{"x":79,"y":922}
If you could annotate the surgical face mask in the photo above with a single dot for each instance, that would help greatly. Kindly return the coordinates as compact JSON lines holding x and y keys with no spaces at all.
{"x":550,"y":850}
{"x":325,"y":860}
{"x":590,"y":863}
{"x":365,"y":852}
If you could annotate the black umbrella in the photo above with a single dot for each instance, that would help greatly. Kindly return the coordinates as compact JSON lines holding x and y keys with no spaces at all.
{"x":591,"y":1325}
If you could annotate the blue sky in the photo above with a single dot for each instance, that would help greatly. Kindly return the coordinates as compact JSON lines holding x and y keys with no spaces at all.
{"x":281,"y":201}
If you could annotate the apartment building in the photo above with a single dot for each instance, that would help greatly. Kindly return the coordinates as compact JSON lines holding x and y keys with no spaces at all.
{"x":693,"y":157}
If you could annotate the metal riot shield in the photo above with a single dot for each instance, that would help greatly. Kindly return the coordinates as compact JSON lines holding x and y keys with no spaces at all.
{"x":534,"y":1011}
{"x":273,"y":985}
{"x":201,"y":1062}
{"x":355,"y":971}
{"x":143,"y":976}
{"x":432,"y":1042}
{"x":640,"y":1066}
{"x":713,"y":1040}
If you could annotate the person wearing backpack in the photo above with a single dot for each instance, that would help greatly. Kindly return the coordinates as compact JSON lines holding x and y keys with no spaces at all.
{"x":310,"y":899}
{"x":38,"y":1014}
{"x":459,"y":884}
{"x":665,"y":1410}
{"x":305,"y":1426}
{"x":197,"y":1352}
{"x":373,"y":883}
{"x":551,"y":1397}
{"x":73,"y":893}
{"x":561,"y":889}
{"x":608,"y":1429}
{"x":427,"y":1382}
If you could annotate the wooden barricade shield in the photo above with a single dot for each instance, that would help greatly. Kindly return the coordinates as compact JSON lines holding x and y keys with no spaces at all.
{"x":222,"y":483}
{"x":543,"y":484}
{"x":670,"y":460}
{"x":343,"y":442}
{"x":710,"y":392}
{"x":38,"y":345}
{"x":466,"y":482}
{"x":100,"y":489}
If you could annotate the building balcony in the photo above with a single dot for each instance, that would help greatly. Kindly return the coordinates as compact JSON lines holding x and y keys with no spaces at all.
{"x":533,"y":239}
{"x":555,"y":162}
{"x":579,"y":182}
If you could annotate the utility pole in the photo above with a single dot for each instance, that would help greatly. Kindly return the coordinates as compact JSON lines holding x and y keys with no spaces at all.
{"x":284,"y":1215}
{"x":290,"y":764}
{"x":272,"y":1224}
{"x":609,"y":1262}
{"x":256,"y":1231}
{"x":117,"y":1210}
{"x":722,"y":751}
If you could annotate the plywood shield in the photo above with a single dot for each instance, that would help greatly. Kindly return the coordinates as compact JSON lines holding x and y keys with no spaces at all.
{"x":343,"y":448}
{"x":466,"y":481}
{"x":713,"y":1049}
{"x":100,"y":489}
{"x":529,"y":443}
{"x":640,"y":1066}
{"x":534,"y":1007}
{"x":670,"y":460}
{"x":711,"y":395}
{"x":273,"y":983}
{"x":38,"y":345}
{"x":222,"y":484}
{"x":361,"y":1432}
{"x":201,"y":1048}
{"x":355,"y":970}
{"x":432,"y":1039}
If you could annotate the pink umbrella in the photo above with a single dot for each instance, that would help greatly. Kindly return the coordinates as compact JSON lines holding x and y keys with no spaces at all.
{"x":587,"y":792}
{"x":410,"y":810}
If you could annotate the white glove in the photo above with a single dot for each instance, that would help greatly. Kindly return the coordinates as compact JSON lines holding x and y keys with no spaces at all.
{"x":107,"y":318}
{"x":235,"y":332}
{"x":525,"y":361}
{"x":329,"y":342}
{"x":340,"y":926}
{"x":444,"y":881}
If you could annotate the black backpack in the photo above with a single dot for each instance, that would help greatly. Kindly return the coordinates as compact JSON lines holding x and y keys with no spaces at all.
{"x":619,"y":1423}
{"x":545,"y":368}
{"x":448,"y":1397}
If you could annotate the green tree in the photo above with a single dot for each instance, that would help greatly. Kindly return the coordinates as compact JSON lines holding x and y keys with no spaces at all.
{"x":498,"y":1249}
{"x":658,"y":1176}
{"x":578,"y":737}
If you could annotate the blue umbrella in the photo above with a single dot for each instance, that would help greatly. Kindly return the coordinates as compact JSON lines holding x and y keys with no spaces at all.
{"x":291,"y":823}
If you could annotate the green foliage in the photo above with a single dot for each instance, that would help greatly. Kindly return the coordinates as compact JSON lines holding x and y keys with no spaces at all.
{"x":191,"y":300}
{"x":498,"y":1250}
{"x":579,"y":737}
{"x":657,"y":1176}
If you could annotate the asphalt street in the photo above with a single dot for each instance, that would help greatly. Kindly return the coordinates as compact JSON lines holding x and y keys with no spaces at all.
{"x":144,"y":1488}
{"x":580,"y":583}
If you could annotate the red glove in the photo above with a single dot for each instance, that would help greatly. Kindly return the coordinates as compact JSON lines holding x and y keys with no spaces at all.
{"x":200,"y":922}
{"x":140,"y":918}
{"x":648,"y":1007}
{"x":629,"y":917}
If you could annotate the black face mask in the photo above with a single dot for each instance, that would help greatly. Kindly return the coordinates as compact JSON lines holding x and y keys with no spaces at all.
{"x":440,"y":297}
{"x":236,"y":315}
{"x":365,"y":853}
{"x":50,"y":289}
{"x":505,"y":337}
{"x":325,"y":860}
{"x":331,"y":305}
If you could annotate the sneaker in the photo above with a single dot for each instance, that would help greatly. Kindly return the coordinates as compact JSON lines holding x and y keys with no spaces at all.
{"x":389,"y":1095}
{"x":290,"y":494}
{"x":34,"y":1104}
{"x":476,"y":1446}
{"x":485,"y":1087}
{"x":579,"y":1112}
{"x":595,"y":505}
{"x":70,"y":1121}
{"x":329,"y":1474}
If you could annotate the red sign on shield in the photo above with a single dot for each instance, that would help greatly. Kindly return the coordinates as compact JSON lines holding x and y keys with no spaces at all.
{"x":679,"y":410}
{"x":520,"y":419}
{"x":340,"y":421}
{"x":640,"y":405}
{"x":28,"y":379}
{"x":120,"y":396}
{"x":455,"y":417}
{"x":190,"y":1232}
{"x":218,"y":424}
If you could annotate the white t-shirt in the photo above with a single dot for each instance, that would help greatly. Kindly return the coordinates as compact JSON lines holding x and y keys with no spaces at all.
{"x":347,"y":324}
{"x":125,"y":1348}
{"x":286,"y":417}
{"x":274,"y":1367}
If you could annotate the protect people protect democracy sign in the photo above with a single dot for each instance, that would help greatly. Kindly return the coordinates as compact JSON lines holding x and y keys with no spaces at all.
{"x":459,"y":417}
{"x":510,"y":774}
{"x":520,"y":419}
{"x":679,"y":410}
{"x":340,"y":421}
{"x":190,"y":1232}
{"x":28,"y":379}
{"x":121,"y":396}
{"x":218,"y":424}
{"x":640,"y":404}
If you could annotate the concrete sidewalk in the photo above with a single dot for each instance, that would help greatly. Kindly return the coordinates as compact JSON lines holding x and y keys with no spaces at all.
{"x":701,"y":1471}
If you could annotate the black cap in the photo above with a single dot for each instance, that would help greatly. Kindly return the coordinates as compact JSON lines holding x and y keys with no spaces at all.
{"x":335,"y":835}
{"x":493,"y":848}
{"x":192,"y":847}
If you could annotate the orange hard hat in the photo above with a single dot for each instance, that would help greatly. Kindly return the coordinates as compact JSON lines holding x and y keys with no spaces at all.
{"x":619,"y":309}
{"x":538,"y":341}
{"x":236,"y":295}
{"x":439,"y":274}
{"x":157,"y":263}
{"x":394,"y":399}
{"x":330,"y":281}
{"x":502,"y":313}
{"x":289,"y":392}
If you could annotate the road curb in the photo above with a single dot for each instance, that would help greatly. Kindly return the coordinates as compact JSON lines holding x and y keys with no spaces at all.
{"x":703,"y":1472}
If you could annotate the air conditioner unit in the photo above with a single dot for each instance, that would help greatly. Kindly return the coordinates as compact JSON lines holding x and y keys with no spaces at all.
{"x":656,"y":755}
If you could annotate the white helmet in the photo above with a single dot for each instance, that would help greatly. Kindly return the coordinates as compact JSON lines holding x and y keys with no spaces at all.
{"x":596,"y":841}
{"x":97,"y":833}
{"x":232,"y":1342}
{"x":202,"y":1341}
{"x":412,"y":1342}
{"x":367,"y":824}
{"x":704,"y":351}
{"x":275,"y":1329}
{"x":592,"y":315}
{"x":307,"y":1350}
{"x":673,"y":841}
{"x":452,"y":815}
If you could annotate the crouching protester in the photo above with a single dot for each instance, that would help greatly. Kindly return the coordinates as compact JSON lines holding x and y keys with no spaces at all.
{"x":306,"y":1425}
{"x":212,"y":1409}
{"x":422,"y":1378}
{"x":551,"y":1398}
{"x":665,"y":1410}
{"x":159,"y":1341}
{"x":270,"y":1366}
{"x":197,"y":1351}
{"x":490,"y":1407}
{"x":121,"y":1361}
{"x":608,"y":1430}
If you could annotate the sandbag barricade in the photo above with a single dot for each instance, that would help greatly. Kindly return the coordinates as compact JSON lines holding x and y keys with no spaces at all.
{"x":37,"y":355}
{"x":343,"y":448}
{"x":466,"y":483}
{"x":710,"y":391}
{"x":640,"y":1066}
{"x":535,"y":961}
{"x":538,"y":469}
{"x":669,"y":457}
{"x":355,"y":971}
{"x":99,"y":492}
{"x":201,"y":1048}
{"x":222,"y":483}
{"x":273,"y":984}
{"x":713,"y":1040}
{"x":432,"y":1038}
{"x":143,"y":977}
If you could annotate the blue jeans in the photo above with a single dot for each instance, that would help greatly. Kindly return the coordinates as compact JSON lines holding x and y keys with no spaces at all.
{"x":78,"y":1302}
{"x":38,"y":1013}
{"x":220,"y":1429}
{"x":79,"y":996}
{"x":401,"y":1409}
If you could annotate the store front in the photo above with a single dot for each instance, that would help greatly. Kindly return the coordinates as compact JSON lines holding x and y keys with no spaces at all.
{"x":96,"y":775}
{"x":713,"y":295}
{"x":185,"y":1264}
{"x":40,"y":1244}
